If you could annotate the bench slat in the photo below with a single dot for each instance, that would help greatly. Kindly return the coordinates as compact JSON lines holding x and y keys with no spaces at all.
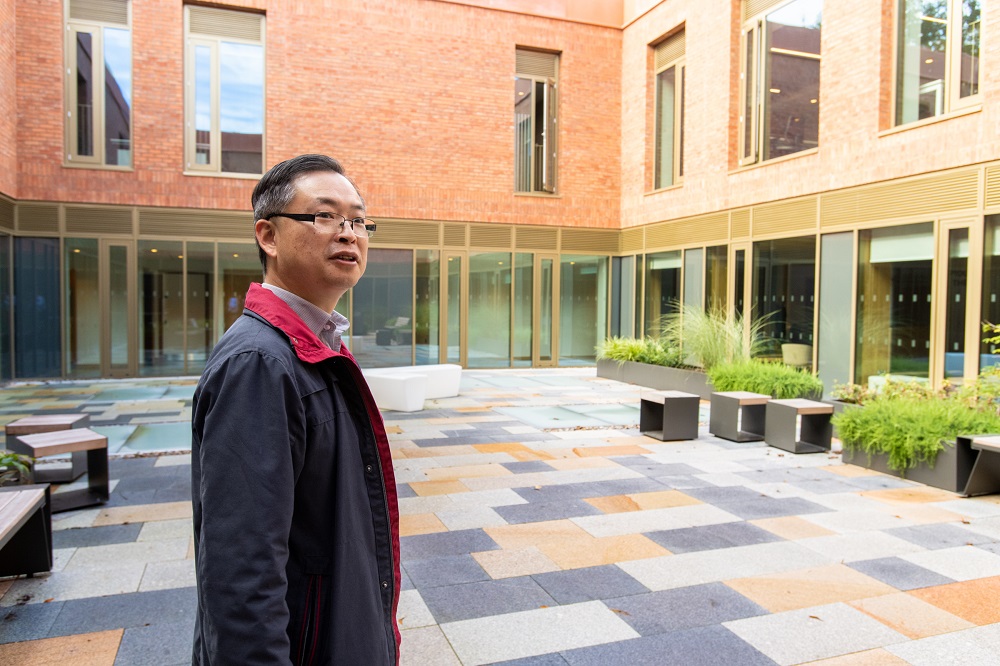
{"x":63,"y":441}
{"x":19,"y":507}
{"x":30,"y":425}
{"x":987,"y":443}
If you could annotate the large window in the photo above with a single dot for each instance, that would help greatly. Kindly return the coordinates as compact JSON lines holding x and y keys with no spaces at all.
{"x":662,"y":289}
{"x":895,"y":267}
{"x":36,"y":318}
{"x":989,"y":353}
{"x":669,"y":158}
{"x":99,"y":84}
{"x":489,"y":310}
{"x":937,"y":57}
{"x":583,"y":307}
{"x":224,"y":83}
{"x":382,"y":310}
{"x":780,"y":80}
{"x":783,"y":292}
{"x":535,"y":129}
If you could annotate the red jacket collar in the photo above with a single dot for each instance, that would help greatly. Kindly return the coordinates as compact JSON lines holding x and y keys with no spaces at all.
{"x":276,"y":312}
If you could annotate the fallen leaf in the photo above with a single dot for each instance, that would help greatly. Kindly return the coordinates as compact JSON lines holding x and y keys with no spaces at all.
{"x":48,"y":600}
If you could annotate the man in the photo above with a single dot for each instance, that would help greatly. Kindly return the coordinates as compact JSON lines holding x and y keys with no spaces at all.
{"x":295,"y":515}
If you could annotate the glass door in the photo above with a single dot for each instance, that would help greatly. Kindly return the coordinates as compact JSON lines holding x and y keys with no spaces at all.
{"x":957,"y":327}
{"x":545,"y":311}
{"x":454,"y":295}
{"x":117,"y":300}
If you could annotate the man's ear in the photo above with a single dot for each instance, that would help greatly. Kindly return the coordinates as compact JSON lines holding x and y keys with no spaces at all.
{"x":266,"y":234}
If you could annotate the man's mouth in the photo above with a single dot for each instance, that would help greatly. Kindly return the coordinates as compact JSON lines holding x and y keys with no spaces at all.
{"x":345,"y":257}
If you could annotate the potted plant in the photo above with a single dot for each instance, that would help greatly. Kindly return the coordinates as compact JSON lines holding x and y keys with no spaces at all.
{"x":774,"y":379}
{"x":15,"y":468}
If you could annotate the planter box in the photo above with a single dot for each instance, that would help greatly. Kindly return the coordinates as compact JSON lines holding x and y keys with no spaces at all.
{"x":657,"y":377}
{"x":950,"y":472}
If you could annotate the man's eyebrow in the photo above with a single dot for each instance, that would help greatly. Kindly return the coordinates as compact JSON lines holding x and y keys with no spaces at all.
{"x":327,"y":201}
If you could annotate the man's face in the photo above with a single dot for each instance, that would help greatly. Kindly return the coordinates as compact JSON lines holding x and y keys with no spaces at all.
{"x":320,"y":266}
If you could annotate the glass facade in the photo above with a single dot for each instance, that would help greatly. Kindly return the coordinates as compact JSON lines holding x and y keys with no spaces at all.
{"x":427,"y":296}
{"x":662,"y":288}
{"x":784,"y":281}
{"x":37,"y":326}
{"x":524,"y":284}
{"x":83,"y":307}
{"x":583,"y":307}
{"x":489,"y":310}
{"x":989,"y":354}
{"x":382,"y":310}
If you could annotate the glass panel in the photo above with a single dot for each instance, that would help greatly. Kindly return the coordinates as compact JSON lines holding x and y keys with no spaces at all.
{"x":640,"y":262}
{"x":382,"y":323}
{"x":663,"y":289}
{"x":117,"y":97}
{"x":834,"y":339}
{"x":680,"y":128}
{"x":792,"y":57}
{"x":239,"y":266}
{"x":694,"y":267}
{"x":971,"y":36}
{"x":454,"y":309}
{"x":36,"y":319}
{"x":203,"y":104}
{"x":489,"y":310}
{"x":83,"y":307}
{"x":784,"y":277}
{"x":524,"y":267}
{"x":241,"y":106}
{"x":161,"y":308}
{"x":921,"y":62}
{"x":665,"y":104}
{"x":546,"y":275}
{"x":427,"y":315}
{"x":739,"y":283}
{"x":989,"y":354}
{"x":6,"y":372}
{"x":522,"y":134}
{"x":84,"y":94}
{"x":118,"y":280}
{"x":200,"y":280}
{"x":894,"y":302}
{"x":622,"y":295}
{"x":954,"y":336}
{"x":549,"y":156}
{"x":583,"y":307}
{"x":538,"y":139}
{"x":749,"y":95}
{"x":716,"y":278}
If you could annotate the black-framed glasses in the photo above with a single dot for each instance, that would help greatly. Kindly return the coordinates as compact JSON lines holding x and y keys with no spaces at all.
{"x":325,"y":221}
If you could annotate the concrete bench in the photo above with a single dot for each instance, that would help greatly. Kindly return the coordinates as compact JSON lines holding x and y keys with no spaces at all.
{"x":25,"y":530}
{"x":32,"y":425}
{"x":984,"y":479}
{"x":798,"y":425}
{"x":402,"y":392}
{"x":95,"y":447}
{"x":669,"y":415}
{"x":443,"y":379}
{"x":738,"y":415}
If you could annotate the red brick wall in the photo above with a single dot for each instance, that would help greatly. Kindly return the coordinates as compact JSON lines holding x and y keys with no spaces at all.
{"x":8,"y":107}
{"x":415,"y":97}
{"x":855,"y":82}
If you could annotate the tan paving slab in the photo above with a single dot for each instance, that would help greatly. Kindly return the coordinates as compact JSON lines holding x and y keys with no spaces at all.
{"x":910,"y":495}
{"x":466,"y":472}
{"x":625,"y":450}
{"x":641,"y":501}
{"x":923,"y":514}
{"x":910,"y":616}
{"x":421,"y":523}
{"x":791,"y":527}
{"x":527,"y":535}
{"x":438,"y":451}
{"x":426,"y":488}
{"x":97,"y":649}
{"x":851,"y":471}
{"x":876,"y":657}
{"x":512,"y":563}
{"x":563,"y":464}
{"x":142,"y":513}
{"x":588,"y":551}
{"x":805,"y":588}
{"x":973,"y":600}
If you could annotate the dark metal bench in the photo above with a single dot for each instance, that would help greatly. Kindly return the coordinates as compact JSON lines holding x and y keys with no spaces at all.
{"x":669,"y":415}
{"x":738,"y":415}
{"x":984,"y":479}
{"x":798,"y":425}
{"x":25,"y":530}
{"x":32,"y":425}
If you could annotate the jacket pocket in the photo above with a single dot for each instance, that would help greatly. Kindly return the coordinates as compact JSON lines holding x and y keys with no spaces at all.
{"x":307,"y":644}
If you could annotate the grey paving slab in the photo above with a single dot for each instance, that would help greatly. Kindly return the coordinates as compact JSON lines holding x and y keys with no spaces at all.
{"x":569,"y":491}
{"x":528,"y":466}
{"x":825,"y":486}
{"x":941,"y":535}
{"x":576,"y":585}
{"x":655,"y":469}
{"x":770,"y":507}
{"x":447,"y":570}
{"x":476,"y":600}
{"x":535,"y":512}
{"x":540,"y":660}
{"x":161,"y":644}
{"x":404,"y":490}
{"x":95,"y":536}
{"x":424,"y":546}
{"x":136,"y":609}
{"x":28,"y":622}
{"x":682,"y":482}
{"x":725,"y":494}
{"x":710,"y":537}
{"x":551,"y":417}
{"x":684,"y":608}
{"x":701,"y":646}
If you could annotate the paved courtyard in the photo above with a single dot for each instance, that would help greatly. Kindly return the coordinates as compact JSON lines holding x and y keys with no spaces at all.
{"x":540,"y":528}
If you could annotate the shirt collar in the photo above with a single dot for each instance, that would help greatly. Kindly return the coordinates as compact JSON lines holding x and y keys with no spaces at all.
{"x":329,"y":327}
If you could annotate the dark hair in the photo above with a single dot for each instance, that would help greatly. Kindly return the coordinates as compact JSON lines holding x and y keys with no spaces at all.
{"x":276,"y":188}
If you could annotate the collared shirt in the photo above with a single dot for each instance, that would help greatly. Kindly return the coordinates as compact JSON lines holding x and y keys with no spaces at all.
{"x":329,"y":327}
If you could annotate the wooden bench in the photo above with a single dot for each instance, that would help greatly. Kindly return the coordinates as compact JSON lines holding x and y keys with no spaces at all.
{"x":25,"y":530}
{"x":984,"y":479}
{"x":798,"y":425}
{"x":32,"y":425}
{"x":93,"y":444}
{"x":668,"y":415}
{"x":738,"y":415}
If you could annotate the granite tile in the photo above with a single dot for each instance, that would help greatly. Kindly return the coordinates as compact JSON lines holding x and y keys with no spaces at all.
{"x":534,"y":512}
{"x":960,"y":563}
{"x":683,"y":608}
{"x":860,"y":545}
{"x":974,"y":600}
{"x":445,"y":570}
{"x":899,"y":573}
{"x":125,"y":610}
{"x":463,"y":542}
{"x":412,"y":611}
{"x":817,"y":586}
{"x":700,"y":646}
{"x":28,"y":622}
{"x":910,"y":616}
{"x":79,"y":584}
{"x":960,"y":647}
{"x":95,"y":536}
{"x":164,"y":644}
{"x":467,"y":601}
{"x":96,"y":649}
{"x":513,"y":563}
{"x":588,"y":584}
{"x":933,"y":537}
{"x":711,"y":537}
{"x":424,"y":646}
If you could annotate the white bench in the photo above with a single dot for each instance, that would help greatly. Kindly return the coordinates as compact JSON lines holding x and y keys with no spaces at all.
{"x":405,"y":388}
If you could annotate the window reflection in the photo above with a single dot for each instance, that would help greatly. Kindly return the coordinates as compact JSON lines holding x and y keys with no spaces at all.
{"x":203,"y":104}
{"x":84,"y":94}
{"x":117,"y":96}
{"x":161,"y":308}
{"x":784,"y":283}
{"x":427,"y":315}
{"x":241,"y":106}
{"x":83,"y":308}
{"x":489,"y":310}
{"x":381,"y":332}
{"x":663,"y":288}
{"x":583,"y":287}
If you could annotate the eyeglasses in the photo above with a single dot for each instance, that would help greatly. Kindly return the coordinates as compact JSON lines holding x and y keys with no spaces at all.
{"x":361,"y":226}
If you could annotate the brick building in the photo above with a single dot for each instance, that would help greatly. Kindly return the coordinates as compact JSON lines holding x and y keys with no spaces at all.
{"x":542,"y":174}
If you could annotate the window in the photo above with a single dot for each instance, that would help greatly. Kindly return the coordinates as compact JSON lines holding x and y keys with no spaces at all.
{"x":224,"y":84}
{"x":99,"y":83}
{"x":669,"y":159}
{"x":535,"y":122}
{"x":937,"y":57}
{"x":780,"y":80}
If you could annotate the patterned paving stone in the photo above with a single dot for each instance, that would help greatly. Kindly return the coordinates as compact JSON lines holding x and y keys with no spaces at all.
{"x":28,"y":622}
{"x":425,"y":546}
{"x":683,"y":608}
{"x":125,"y":610}
{"x":701,"y":646}
{"x":164,"y":644}
{"x":933,"y":537}
{"x":476,"y":600}
{"x":899,"y":573}
{"x":711,"y":537}
{"x":447,"y":570}
{"x":588,"y":584}
{"x":95,"y":536}
{"x":96,"y":648}
{"x":538,"y":511}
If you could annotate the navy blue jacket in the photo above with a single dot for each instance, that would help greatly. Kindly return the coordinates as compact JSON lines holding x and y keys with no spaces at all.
{"x":295,"y":515}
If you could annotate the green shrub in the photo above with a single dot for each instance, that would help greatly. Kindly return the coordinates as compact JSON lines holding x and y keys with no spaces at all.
{"x":709,"y":337}
{"x":774,"y":379}
{"x":909,"y":429}
{"x":14,"y":468}
{"x":892,"y":388}
{"x":645,"y":350}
